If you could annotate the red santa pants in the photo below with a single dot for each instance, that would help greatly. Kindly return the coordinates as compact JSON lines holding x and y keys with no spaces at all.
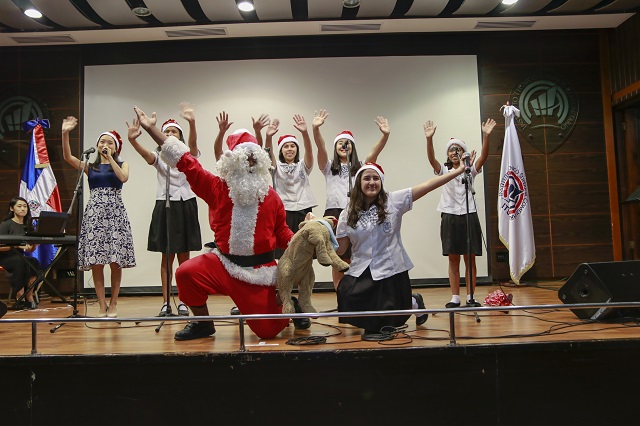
{"x":203,"y":275}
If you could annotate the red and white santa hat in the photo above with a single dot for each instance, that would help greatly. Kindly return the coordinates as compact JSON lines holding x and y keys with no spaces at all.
{"x":454,"y":141}
{"x":372,"y":166}
{"x":171,"y":123}
{"x":116,"y":137}
{"x":345,"y":134}
{"x":242,"y":138}
{"x":287,"y":138}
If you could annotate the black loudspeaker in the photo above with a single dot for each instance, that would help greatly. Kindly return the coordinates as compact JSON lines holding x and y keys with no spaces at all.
{"x":603,"y":282}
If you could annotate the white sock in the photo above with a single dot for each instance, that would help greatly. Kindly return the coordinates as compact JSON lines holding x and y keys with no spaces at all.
{"x":414,"y":303}
{"x":468,"y":297}
{"x":455,"y":298}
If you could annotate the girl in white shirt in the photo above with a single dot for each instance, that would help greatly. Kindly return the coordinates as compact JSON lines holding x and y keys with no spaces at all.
{"x":183,"y":217}
{"x":453,"y":209}
{"x":342,"y":169}
{"x":290,"y":175}
{"x":378,"y":277}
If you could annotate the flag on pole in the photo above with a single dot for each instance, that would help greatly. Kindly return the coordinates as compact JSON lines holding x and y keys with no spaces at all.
{"x":38,"y":184}
{"x":515,"y":225}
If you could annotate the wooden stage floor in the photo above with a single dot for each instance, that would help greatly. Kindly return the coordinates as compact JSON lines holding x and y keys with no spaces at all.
{"x":127,"y":337}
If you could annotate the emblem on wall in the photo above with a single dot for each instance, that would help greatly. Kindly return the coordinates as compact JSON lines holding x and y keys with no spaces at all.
{"x":15,"y":110}
{"x":548,"y":110}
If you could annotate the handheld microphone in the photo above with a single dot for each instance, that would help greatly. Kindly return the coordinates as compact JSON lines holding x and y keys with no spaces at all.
{"x":345,"y":146}
{"x":89,"y":151}
{"x":104,"y":151}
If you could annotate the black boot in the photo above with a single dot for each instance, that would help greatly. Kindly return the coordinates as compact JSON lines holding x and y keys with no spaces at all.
{"x":299,"y":323}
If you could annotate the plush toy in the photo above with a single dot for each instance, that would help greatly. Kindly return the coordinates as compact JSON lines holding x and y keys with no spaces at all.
{"x":295,"y":267}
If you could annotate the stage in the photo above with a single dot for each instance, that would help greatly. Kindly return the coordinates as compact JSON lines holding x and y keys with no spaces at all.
{"x":522,"y":367}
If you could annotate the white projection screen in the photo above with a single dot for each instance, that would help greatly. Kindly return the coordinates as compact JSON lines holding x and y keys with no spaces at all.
{"x":406,"y":90}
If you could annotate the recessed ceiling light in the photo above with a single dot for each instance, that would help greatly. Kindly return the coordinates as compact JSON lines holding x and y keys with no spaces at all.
{"x":32,"y":13}
{"x":141,"y":11}
{"x":509,"y":2}
{"x":246,"y":6}
{"x":351,"y":3}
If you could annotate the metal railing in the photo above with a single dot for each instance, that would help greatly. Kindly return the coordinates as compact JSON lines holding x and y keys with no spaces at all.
{"x":242,"y":318}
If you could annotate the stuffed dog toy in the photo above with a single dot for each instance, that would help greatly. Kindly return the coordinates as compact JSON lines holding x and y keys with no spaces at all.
{"x":295,"y":267}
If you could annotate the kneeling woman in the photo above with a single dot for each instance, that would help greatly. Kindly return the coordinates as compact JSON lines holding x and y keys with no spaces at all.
{"x":378,"y":277}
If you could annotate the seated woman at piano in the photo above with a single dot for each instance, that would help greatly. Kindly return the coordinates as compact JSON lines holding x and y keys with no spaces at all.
{"x":12,"y":259}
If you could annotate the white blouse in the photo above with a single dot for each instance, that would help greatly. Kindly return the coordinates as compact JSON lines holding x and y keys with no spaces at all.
{"x":378,"y":246}
{"x":179,"y":188}
{"x":337,"y":186}
{"x":453,"y":193}
{"x":291,"y":182}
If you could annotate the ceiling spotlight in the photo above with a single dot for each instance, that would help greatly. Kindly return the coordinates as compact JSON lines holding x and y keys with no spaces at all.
{"x":509,"y":2}
{"x":351,"y":3}
{"x":141,"y":11}
{"x":246,"y":6}
{"x":32,"y":13}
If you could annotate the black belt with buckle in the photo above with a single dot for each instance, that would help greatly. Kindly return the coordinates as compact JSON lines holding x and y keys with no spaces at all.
{"x":253,"y":260}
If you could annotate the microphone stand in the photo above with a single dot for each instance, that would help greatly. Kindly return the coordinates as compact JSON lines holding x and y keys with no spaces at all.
{"x":469,"y":264}
{"x":345,"y":146}
{"x":168,"y":291}
{"x":76,"y":198}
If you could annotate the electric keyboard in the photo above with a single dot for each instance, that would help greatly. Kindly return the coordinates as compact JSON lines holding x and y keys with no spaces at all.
{"x":18,"y":240}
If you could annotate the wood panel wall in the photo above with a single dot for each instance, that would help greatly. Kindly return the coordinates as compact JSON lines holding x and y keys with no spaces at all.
{"x":569,"y":192}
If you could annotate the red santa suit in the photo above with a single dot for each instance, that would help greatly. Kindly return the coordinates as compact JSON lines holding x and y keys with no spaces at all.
{"x":242,"y":266}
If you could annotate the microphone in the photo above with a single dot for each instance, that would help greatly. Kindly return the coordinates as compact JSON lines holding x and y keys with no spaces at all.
{"x":104,"y":151}
{"x":89,"y":151}
{"x":466,"y":157}
{"x":345,"y":146}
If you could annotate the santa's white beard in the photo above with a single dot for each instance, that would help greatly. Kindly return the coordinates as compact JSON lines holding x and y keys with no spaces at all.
{"x":248,"y":185}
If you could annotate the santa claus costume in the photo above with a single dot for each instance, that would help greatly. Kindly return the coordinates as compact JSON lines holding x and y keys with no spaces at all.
{"x":249,"y":221}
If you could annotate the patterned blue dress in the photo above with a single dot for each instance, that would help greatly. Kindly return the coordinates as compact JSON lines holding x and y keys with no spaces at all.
{"x":105,"y":234}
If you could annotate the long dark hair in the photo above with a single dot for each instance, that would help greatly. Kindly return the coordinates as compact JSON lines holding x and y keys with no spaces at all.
{"x":28,"y":222}
{"x":353,"y":158}
{"x":96,"y":163}
{"x":357,"y":203}
{"x":295,"y":160}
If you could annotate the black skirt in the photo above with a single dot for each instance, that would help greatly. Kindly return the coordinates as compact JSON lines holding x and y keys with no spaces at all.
{"x":183,"y":225}
{"x":453,"y":233}
{"x":293,"y":221}
{"x":366,"y":294}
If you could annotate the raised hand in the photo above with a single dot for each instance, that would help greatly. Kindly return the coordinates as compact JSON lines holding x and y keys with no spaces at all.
{"x":261,"y":122}
{"x":429,"y":129}
{"x":187,"y":111}
{"x":383,"y":125}
{"x":272,"y":128}
{"x":299,"y":123}
{"x":145,"y":121}
{"x":223,"y":122}
{"x":133,"y":130}
{"x":319,"y":117}
{"x":488,"y":126}
{"x":69,"y":123}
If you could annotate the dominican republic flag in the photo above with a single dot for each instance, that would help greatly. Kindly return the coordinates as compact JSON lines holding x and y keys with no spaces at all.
{"x":514,"y":210}
{"x":38,"y":184}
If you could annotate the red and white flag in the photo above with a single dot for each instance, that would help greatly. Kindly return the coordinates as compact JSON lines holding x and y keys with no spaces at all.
{"x":515,"y":225}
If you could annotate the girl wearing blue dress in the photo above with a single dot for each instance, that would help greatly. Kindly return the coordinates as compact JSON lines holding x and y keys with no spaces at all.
{"x":105,"y":233}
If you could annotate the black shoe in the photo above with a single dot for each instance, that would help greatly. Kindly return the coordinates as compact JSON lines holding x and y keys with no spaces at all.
{"x":421,"y":319}
{"x":3,"y":309}
{"x":195,"y":330}
{"x":450,"y":305}
{"x":235,"y":311}
{"x":31,"y":305}
{"x":473,"y":303}
{"x":300,"y":323}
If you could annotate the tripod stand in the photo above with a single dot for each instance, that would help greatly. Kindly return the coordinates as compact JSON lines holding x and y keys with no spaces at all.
{"x":76,"y":199}
{"x":471,"y":281}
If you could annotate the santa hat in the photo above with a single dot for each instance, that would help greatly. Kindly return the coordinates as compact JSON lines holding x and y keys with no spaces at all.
{"x":345,"y":134}
{"x":171,"y":123}
{"x":116,"y":137}
{"x":454,"y":141}
{"x":372,"y":166}
{"x":287,"y":138}
{"x":242,"y":138}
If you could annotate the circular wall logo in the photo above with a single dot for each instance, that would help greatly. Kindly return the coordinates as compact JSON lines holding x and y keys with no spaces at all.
{"x":15,"y":110}
{"x":548,"y":110}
